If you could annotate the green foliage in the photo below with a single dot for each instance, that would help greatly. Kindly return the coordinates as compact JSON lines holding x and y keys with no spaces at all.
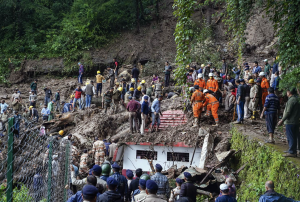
{"x":19,"y":195}
{"x":264,"y":163}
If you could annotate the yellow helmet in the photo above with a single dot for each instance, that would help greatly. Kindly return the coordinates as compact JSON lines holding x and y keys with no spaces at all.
{"x":143,"y":81}
{"x":251,"y":81}
{"x":139,"y":88}
{"x":120,"y":89}
{"x":153,"y":86}
{"x":131,"y":89}
{"x":187,"y":66}
{"x":117,"y":83}
{"x":71,"y":96}
{"x":98,"y":72}
{"x":133,"y":80}
{"x":30,"y":107}
{"x":61,"y":132}
{"x":202,"y":65}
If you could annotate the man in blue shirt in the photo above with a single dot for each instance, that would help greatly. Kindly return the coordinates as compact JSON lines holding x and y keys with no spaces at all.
{"x":81,"y":71}
{"x":272,"y":196}
{"x":240,"y":97}
{"x":162,"y":182}
{"x":3,"y":106}
{"x":17,"y":121}
{"x":274,"y":69}
{"x":230,"y":80}
{"x":122,"y":187}
{"x":45,"y":113}
{"x":155,"y":109}
{"x":225,"y":194}
{"x":275,"y":84}
{"x":237,"y":72}
{"x":145,"y":111}
{"x":256,"y":68}
{"x":271,"y":109}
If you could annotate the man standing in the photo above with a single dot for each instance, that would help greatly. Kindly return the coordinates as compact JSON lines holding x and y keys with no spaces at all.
{"x":32,"y":99}
{"x":197,"y":100}
{"x":267,"y":69}
{"x":135,"y":72}
{"x":194,"y":74}
{"x":155,"y":110}
{"x":141,"y":196}
{"x":274,"y":70}
{"x":83,"y":168}
{"x":162,"y":182}
{"x":137,"y":93}
{"x":48,"y":95}
{"x":264,"y":86}
{"x":122,"y":187}
{"x":33,"y":86}
{"x":237,"y":72}
{"x":212,"y":106}
{"x":152,"y":192}
{"x":116,"y":67}
{"x":17,"y":121}
{"x":3,"y":106}
{"x":145,"y":112}
{"x":176,"y":191}
{"x":240,"y":100}
{"x":227,"y":93}
{"x":275,"y":84}
{"x":133,"y":107}
{"x":188,"y":189}
{"x":206,"y":71}
{"x":112,"y":194}
{"x":89,"y":91}
{"x":99,"y":79}
{"x":51,"y":110}
{"x":33,"y":114}
{"x":254,"y":96}
{"x":77,"y":97}
{"x":57,"y":100}
{"x":108,"y":98}
{"x":256,"y":68}
{"x":127,"y":95}
{"x":212,"y":84}
{"x":112,"y":148}
{"x":231,"y":188}
{"x":81,"y":71}
{"x":200,"y":82}
{"x":225,"y":194}
{"x":167,"y":71}
{"x":129,"y":177}
{"x":272,"y":196}
{"x":271,"y":110}
{"x":247,"y":100}
{"x":224,"y":67}
{"x":4,"y":120}
{"x":290,"y":118}
{"x":45,"y":113}
{"x":158,"y":88}
{"x":99,"y":151}
{"x":134,"y":185}
{"x":15,"y":95}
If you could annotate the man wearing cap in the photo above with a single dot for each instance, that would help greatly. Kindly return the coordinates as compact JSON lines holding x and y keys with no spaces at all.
{"x":135,"y":183}
{"x":162,"y":182}
{"x":122,"y":186}
{"x":51,"y":110}
{"x":290,"y":119}
{"x":99,"y":151}
{"x":188,"y":189}
{"x":197,"y":100}
{"x":112,"y":195}
{"x":153,"y":192}
{"x":89,"y":193}
{"x":142,"y":188}
{"x":145,"y":110}
{"x":176,"y":191}
{"x":225,"y":194}
{"x":81,"y":71}
{"x":267,"y":69}
{"x":264,"y":86}
{"x":129,"y":177}
{"x":240,"y":100}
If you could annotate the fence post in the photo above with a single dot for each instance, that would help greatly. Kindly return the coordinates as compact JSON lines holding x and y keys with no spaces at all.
{"x":50,"y":169}
{"x":66,"y":169}
{"x":10,"y":160}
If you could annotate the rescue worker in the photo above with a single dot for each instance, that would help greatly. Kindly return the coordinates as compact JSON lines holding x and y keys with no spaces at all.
{"x":161,"y":180}
{"x":99,"y":79}
{"x":212,"y":106}
{"x":188,"y":189}
{"x":131,"y":85}
{"x":254,"y":96}
{"x":124,"y":86}
{"x":105,"y":171}
{"x":99,"y":151}
{"x":116,"y":98}
{"x":83,"y":168}
{"x":176,"y":191}
{"x":117,"y":85}
{"x":200,"y":82}
{"x":112,"y":194}
{"x":111,"y":76}
{"x":137,"y":93}
{"x":197,"y":101}
{"x":108,"y":98}
{"x":158,"y":88}
{"x":33,"y":114}
{"x":142,"y":191}
{"x":240,"y":100}
{"x":264,"y":86}
{"x":127,"y":95}
{"x":145,"y":111}
{"x":122,"y":187}
{"x":212,"y":84}
{"x":152,"y":192}
{"x":143,"y":85}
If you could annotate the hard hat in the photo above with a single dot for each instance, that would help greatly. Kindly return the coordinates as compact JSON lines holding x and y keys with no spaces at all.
{"x":145,"y":177}
{"x":98,"y":72}
{"x":251,"y":81}
{"x":30,"y":107}
{"x":131,"y":89}
{"x":105,"y":169}
{"x":133,"y":80}
{"x":61,"y":132}
{"x":202,"y":65}
{"x":265,"y":60}
{"x":139,"y":88}
{"x":262,"y":74}
{"x":153,"y":86}
{"x":71,"y":96}
{"x":199,"y":76}
{"x":143,"y":81}
{"x":205,"y":91}
{"x":120,"y":89}
{"x":187,"y":66}
{"x":117,"y":83}
{"x":210,"y":74}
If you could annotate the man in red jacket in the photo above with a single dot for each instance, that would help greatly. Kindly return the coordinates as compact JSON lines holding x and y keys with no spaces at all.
{"x":78,"y":91}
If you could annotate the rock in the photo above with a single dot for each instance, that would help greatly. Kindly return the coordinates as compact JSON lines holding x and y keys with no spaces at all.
{"x":222,"y":146}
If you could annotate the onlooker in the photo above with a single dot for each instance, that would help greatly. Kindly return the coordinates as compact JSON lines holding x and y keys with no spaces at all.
{"x":99,"y":79}
{"x":16,"y":95}
{"x":247,"y":100}
{"x":224,"y":67}
{"x":188,"y":189}
{"x":33,"y":86}
{"x":290,"y":118}
{"x":237,"y":72}
{"x":145,"y":112}
{"x":231,"y":187}
{"x":48,"y":95}
{"x":134,"y":185}
{"x":275,"y":84}
{"x":111,"y":76}
{"x":225,"y":194}
{"x":32,"y":98}
{"x":45,"y":113}
{"x":57,"y":100}
{"x":267,"y":69}
{"x":133,"y":107}
{"x":33,"y":113}
{"x":167,"y":71}
{"x":272,"y":196}
{"x":176,"y":191}
{"x":89,"y":91}
{"x":17,"y":121}
{"x":155,"y":109}
{"x":256,"y":68}
{"x":81,"y":71}
{"x":135,"y":72}
{"x":3,"y":106}
{"x":274,"y":70}
{"x":77,"y":97}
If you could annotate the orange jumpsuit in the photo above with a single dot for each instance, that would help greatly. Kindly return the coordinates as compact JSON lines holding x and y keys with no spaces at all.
{"x":212,"y":106}
{"x":200,"y":83}
{"x":264,"y":89}
{"x":197,"y":99}
{"x":212,"y":85}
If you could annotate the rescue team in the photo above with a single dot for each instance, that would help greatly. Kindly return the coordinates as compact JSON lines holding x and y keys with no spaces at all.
{"x":252,"y":90}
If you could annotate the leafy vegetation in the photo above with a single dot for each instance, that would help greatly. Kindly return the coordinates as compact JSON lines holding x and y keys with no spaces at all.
{"x":19,"y":195}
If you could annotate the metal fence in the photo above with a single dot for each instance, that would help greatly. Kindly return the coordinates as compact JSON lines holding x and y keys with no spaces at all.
{"x":36,"y":167}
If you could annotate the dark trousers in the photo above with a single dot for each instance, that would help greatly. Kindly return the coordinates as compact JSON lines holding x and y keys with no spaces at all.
{"x":271,"y":120}
{"x":292,"y":131}
{"x":99,"y":88}
{"x":32,"y":104}
{"x":167,"y":80}
{"x":133,"y":118}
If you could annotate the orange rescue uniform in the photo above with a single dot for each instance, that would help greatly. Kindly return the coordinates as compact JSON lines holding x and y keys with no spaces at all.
{"x":212,"y":85}
{"x":264,"y":89}
{"x":198,"y":100}
{"x":212,"y":106}
{"x":200,"y":83}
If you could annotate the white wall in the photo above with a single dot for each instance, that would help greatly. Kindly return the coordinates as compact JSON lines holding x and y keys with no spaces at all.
{"x":133,"y":163}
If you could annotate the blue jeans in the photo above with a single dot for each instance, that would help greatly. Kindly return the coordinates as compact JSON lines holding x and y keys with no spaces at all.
{"x":47,"y":100}
{"x":75,"y":100}
{"x":99,"y":88}
{"x":80,"y":78}
{"x":88,"y":100}
{"x":271,"y":120}
{"x":240,"y":111}
{"x":292,"y":132}
{"x":155,"y":118}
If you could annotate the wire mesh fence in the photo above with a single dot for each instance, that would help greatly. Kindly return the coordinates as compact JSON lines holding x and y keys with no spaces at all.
{"x":33,"y":166}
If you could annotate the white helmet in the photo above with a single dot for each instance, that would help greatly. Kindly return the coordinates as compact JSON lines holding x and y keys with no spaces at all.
{"x":199,"y":76}
{"x":205,"y":91}
{"x":262,"y":74}
{"x":210,"y":74}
